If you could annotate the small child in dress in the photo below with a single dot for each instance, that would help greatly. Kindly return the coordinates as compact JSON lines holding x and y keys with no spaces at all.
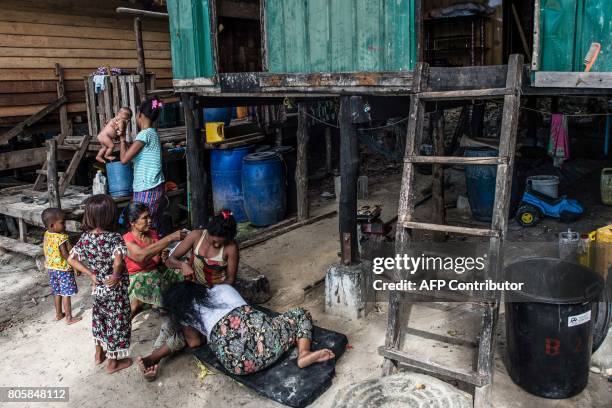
{"x":113,"y":129}
{"x":103,"y":250}
{"x":61,"y":276}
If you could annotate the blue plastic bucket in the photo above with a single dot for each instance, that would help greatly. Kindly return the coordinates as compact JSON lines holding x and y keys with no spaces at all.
{"x":226,"y":175}
{"x":120,"y":178}
{"x":264,"y":188}
{"x":480,"y":183}
{"x":218,"y":115}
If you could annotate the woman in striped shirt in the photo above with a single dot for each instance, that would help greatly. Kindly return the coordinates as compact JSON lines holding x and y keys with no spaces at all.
{"x":146,"y":154}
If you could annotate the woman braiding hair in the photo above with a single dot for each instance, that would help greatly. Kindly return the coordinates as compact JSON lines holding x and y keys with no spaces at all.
{"x":215,"y":252}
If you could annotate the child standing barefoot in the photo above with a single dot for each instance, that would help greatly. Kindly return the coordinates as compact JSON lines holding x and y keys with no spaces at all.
{"x":103,"y":251}
{"x":61,"y":276}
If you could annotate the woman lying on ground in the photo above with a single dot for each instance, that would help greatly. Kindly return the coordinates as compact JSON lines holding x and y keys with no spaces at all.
{"x":215,"y":258}
{"x":149,"y":277}
{"x":243,"y":339}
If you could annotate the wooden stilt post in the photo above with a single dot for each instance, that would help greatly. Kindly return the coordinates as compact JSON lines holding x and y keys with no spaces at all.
{"x":437,"y":184}
{"x":197,"y":170}
{"x":328,"y":151}
{"x":301,"y":168}
{"x":279,"y":135}
{"x":52,"y":179}
{"x":142,"y":72}
{"x":349,"y":172}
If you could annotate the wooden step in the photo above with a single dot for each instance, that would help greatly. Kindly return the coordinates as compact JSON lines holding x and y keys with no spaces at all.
{"x":479,"y":232}
{"x":466,"y":94}
{"x":456,"y":160}
{"x":413,"y":361}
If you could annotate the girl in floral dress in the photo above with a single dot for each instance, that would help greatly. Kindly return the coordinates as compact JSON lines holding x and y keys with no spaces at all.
{"x":99,"y":253}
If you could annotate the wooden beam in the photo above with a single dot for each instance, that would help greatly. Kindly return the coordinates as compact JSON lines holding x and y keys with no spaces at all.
{"x":63,"y":110}
{"x":437,"y":183}
{"x":52,"y":181}
{"x":519,"y":27}
{"x":301,"y":168}
{"x":573,"y":79}
{"x":197,"y":167}
{"x":32,"y":119}
{"x":328,"y":151}
{"x":18,"y":159}
{"x":141,"y":13}
{"x":280,"y":231}
{"x":74,"y":164}
{"x":141,"y":70}
{"x":456,"y":160}
{"x":349,"y":172}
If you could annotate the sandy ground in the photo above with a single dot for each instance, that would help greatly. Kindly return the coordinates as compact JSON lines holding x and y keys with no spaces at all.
{"x":37,"y":351}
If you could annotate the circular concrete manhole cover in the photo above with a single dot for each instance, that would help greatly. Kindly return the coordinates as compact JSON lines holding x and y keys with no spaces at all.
{"x":405,"y":390}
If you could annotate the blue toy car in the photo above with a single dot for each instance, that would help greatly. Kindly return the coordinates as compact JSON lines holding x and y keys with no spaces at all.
{"x":536,"y":205}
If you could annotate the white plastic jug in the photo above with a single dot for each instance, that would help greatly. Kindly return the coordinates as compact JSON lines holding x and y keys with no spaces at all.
{"x":99,"y":183}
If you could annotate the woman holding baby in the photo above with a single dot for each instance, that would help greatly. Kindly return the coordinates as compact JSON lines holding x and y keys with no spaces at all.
{"x":146,"y":154}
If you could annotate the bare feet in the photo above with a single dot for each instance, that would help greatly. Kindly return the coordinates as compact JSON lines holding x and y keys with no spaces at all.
{"x":59,"y":317}
{"x":100,"y":159}
{"x":149,"y":372}
{"x":110,"y":158}
{"x":116,"y":365}
{"x":73,"y":319}
{"x":310,"y":357}
{"x":100,"y":356}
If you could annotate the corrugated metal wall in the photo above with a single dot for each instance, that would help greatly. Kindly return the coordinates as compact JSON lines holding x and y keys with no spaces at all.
{"x":190,"y":36}
{"x":568,"y":27}
{"x":340,"y":35}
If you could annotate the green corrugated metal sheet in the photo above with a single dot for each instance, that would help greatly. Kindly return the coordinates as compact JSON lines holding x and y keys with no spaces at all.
{"x":568,"y":27}
{"x":190,"y":38}
{"x":340,"y":35}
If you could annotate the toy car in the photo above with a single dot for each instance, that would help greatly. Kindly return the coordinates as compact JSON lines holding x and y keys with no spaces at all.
{"x":535,"y":205}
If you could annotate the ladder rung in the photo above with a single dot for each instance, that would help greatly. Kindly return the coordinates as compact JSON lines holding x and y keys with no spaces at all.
{"x":44,"y":173}
{"x":466,"y":376}
{"x":73,"y":147}
{"x":467,"y":94}
{"x":456,"y":160}
{"x":481,"y":232}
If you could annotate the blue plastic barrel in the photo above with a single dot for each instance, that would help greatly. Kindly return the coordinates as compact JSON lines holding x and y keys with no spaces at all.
{"x":218,"y":115}
{"x":119,"y":178}
{"x":264,"y":188}
{"x":480,"y":183}
{"x":226,"y":172}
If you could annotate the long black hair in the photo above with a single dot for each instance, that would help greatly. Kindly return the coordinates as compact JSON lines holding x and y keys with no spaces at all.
{"x":135,"y":210}
{"x":150,"y":108}
{"x":223,"y":225}
{"x":180,"y":300}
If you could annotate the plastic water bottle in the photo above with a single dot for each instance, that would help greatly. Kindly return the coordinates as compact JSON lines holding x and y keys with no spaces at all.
{"x":99,"y":183}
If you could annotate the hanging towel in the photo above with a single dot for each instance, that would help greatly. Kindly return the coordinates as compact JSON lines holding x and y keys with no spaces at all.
{"x":558,"y":145}
{"x":99,"y":84}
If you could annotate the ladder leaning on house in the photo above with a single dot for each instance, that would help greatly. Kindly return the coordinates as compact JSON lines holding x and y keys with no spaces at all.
{"x":480,"y":376}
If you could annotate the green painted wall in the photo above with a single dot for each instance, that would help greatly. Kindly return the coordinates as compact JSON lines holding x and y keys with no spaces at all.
{"x":190,"y":39}
{"x":340,"y":35}
{"x":568,"y":27}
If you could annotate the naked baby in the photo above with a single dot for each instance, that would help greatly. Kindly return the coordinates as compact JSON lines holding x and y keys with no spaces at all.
{"x":113,"y":129}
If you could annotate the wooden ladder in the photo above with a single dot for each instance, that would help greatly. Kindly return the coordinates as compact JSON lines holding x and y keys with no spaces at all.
{"x":481,"y":376}
{"x":66,"y":177}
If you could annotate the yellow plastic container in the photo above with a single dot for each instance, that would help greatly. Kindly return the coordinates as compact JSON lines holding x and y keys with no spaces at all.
{"x":606,"y":186}
{"x":601,"y":250}
{"x":215,"y":132}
